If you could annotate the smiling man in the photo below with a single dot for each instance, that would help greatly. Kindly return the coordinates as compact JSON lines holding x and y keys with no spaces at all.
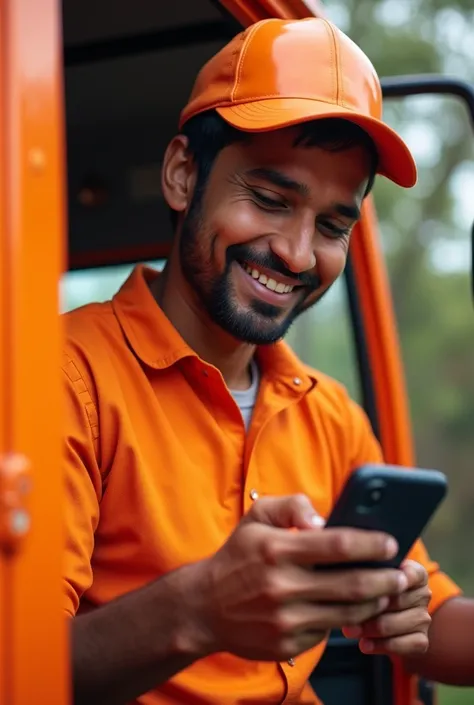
{"x":236,"y":256}
{"x":195,"y":438}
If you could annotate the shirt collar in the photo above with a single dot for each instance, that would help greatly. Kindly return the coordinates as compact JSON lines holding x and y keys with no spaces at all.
{"x":149,"y":332}
{"x":158,"y":344}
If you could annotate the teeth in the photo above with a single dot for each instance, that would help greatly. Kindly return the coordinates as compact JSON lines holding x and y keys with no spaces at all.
{"x":271,"y":284}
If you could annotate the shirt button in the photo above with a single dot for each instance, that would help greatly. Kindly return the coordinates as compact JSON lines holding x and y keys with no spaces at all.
{"x":253,"y":495}
{"x":291,"y":662}
{"x":297,"y":381}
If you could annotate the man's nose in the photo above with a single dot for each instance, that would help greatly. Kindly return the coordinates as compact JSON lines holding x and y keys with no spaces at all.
{"x":296,"y":249}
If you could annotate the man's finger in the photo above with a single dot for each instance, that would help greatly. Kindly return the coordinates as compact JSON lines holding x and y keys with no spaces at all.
{"x":335,"y":545}
{"x":391,"y":624}
{"x":306,"y":617}
{"x":410,"y":598}
{"x":406,"y":645}
{"x":344,"y":586}
{"x":417,"y":575}
{"x":295,"y":511}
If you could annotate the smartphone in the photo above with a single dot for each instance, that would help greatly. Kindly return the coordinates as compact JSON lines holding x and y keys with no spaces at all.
{"x":396,"y":500}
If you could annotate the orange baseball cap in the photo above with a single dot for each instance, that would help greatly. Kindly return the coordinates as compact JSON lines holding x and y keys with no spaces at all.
{"x":279,"y":73}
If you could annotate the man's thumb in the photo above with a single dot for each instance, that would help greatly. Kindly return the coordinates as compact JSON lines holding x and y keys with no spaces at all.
{"x":295,"y":511}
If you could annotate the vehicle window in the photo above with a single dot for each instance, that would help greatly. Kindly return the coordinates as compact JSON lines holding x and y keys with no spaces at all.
{"x":425,"y":234}
{"x":84,"y":286}
{"x":323,"y":338}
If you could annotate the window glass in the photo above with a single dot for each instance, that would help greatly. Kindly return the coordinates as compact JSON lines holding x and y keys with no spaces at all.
{"x":83,"y":286}
{"x":323,"y":338}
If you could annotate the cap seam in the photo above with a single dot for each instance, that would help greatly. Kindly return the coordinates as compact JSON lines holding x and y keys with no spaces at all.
{"x":240,"y":62}
{"x":336,"y":61}
{"x":272,"y":96}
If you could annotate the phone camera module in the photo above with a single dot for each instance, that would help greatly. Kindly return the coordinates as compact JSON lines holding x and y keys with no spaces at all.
{"x":375,"y":496}
{"x":371,"y":501}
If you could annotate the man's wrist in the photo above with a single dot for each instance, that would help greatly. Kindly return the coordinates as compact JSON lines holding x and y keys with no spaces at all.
{"x":193,"y":636}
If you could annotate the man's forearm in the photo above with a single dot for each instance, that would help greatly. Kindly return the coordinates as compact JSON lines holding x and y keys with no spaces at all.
{"x":450,"y":657}
{"x":131,"y":645}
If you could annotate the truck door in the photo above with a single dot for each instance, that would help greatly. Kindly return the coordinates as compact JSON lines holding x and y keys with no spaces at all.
{"x":33,"y":640}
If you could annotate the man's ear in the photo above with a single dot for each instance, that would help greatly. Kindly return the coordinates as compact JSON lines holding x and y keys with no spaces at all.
{"x":178,"y":174}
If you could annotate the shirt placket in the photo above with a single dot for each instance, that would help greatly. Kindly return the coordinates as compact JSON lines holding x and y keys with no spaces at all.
{"x":268,"y":406}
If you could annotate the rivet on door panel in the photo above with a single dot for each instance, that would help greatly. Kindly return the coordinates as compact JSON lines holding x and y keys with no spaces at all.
{"x":15,"y":487}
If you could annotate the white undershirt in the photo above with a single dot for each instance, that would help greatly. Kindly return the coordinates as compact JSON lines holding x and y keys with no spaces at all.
{"x":246,"y":398}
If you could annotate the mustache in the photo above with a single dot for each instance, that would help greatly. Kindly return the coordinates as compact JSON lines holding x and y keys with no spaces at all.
{"x":269,"y":260}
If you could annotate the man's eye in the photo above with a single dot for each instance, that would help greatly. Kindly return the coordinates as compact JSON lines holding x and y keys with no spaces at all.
{"x":331,"y":230}
{"x":267,"y":202}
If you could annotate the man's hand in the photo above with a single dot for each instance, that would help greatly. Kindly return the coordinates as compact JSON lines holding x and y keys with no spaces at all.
{"x":259,"y":597}
{"x":402,"y":629}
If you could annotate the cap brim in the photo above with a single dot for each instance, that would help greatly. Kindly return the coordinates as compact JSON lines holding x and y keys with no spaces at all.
{"x":395,"y":159}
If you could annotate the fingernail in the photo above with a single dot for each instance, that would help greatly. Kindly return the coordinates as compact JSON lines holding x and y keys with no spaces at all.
{"x":352,"y":632}
{"x":384,"y":603}
{"x":316,"y":520}
{"x":366,"y":645}
{"x":402,"y":582}
{"x":391,"y":547}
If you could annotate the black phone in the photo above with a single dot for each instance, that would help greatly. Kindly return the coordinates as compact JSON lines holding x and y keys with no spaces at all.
{"x":396,"y":500}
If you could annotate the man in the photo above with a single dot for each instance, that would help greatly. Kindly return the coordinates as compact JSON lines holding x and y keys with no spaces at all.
{"x":195,"y":439}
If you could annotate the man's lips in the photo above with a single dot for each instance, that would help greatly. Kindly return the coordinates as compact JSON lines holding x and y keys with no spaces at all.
{"x":264,"y":291}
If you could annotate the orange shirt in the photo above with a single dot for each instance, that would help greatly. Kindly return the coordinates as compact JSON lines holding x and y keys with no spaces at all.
{"x":159,"y":470}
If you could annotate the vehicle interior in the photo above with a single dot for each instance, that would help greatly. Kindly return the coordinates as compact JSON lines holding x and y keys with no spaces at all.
{"x":127,"y":75}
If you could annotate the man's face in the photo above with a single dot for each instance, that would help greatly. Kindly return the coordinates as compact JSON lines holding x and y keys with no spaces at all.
{"x":270,"y":232}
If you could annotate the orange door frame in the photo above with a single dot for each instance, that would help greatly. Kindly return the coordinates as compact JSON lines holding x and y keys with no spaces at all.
{"x":34,"y":667}
{"x":4,"y":626}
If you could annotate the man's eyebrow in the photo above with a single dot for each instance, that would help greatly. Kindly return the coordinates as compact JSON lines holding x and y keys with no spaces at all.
{"x":347,"y":211}
{"x":277,"y":178}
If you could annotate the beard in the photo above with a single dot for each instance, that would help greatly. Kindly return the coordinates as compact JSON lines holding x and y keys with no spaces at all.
{"x":257,"y":323}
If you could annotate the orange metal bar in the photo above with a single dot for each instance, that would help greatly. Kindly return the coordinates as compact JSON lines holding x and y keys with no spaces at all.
{"x":249,"y":11}
{"x":382,"y":340}
{"x":33,"y":238}
{"x":387,"y":372}
{"x":4,"y":631}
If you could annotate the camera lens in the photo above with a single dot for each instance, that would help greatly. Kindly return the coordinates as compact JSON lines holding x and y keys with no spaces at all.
{"x":375,"y":496}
